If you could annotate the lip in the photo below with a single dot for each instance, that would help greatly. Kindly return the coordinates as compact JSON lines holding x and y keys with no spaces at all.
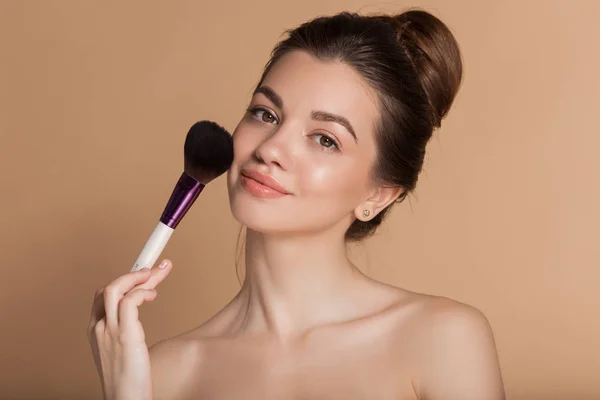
{"x":263,"y":185}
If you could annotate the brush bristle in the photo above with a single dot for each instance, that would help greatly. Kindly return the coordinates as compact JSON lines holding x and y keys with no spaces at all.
{"x":208,"y":151}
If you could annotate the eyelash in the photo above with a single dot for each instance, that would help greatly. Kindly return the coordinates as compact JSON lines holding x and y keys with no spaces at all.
{"x":253,"y":110}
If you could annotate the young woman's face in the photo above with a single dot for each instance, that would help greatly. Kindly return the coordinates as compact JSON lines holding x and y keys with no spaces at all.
{"x":304,"y":151}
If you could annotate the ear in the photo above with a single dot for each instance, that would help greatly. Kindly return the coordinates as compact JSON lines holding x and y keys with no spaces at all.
{"x":380,"y":198}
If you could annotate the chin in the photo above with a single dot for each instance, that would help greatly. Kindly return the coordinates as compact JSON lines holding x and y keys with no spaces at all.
{"x":257,"y":215}
{"x":280,"y":219}
{"x":285,"y":215}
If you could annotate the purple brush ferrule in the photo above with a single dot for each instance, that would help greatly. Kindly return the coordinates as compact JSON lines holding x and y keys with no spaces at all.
{"x":184,"y":194}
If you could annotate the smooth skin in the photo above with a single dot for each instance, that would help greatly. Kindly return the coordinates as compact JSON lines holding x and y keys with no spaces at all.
{"x":306,"y":324}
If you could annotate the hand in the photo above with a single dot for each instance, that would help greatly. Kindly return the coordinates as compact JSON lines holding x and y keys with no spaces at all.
{"x":117,"y":337}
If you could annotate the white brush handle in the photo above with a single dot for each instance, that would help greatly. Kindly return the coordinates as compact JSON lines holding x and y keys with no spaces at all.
{"x":153,"y":247}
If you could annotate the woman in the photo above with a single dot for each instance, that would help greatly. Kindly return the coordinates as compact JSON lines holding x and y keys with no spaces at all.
{"x":335,"y":135}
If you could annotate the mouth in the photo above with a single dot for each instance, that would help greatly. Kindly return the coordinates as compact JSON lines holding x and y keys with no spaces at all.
{"x":262,"y":185}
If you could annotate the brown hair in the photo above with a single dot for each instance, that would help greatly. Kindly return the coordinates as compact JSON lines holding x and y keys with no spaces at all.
{"x":412,"y":61}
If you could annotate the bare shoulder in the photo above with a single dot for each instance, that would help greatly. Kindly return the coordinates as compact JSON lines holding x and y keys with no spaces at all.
{"x":439,"y":315}
{"x":173,"y":362}
{"x":454,"y":349}
{"x":447,"y":324}
{"x":443,"y":316}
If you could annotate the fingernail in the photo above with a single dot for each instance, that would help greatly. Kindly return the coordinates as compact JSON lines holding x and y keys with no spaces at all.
{"x":163,"y":264}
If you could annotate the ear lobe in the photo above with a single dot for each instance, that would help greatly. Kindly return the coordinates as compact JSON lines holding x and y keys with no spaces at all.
{"x":382,"y":197}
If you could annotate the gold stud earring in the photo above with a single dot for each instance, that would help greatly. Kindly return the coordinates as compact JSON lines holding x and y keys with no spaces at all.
{"x":366,"y":213}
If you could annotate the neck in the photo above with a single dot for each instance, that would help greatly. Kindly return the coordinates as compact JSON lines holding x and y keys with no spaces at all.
{"x":295,"y":283}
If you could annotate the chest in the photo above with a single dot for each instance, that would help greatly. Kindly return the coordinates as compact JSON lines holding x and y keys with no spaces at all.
{"x":348,"y":371}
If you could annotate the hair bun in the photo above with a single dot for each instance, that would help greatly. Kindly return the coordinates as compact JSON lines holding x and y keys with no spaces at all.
{"x":435,"y":55}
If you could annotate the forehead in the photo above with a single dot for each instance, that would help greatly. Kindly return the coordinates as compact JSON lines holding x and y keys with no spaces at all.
{"x":306,"y":83}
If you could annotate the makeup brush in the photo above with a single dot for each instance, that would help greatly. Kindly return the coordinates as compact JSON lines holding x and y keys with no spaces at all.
{"x":208,"y":153}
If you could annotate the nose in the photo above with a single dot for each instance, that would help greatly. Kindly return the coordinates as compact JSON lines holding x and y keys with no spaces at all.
{"x":275,"y":149}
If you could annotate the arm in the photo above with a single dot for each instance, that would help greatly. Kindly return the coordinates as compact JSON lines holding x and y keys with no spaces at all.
{"x":117,"y":337}
{"x":462,"y":362}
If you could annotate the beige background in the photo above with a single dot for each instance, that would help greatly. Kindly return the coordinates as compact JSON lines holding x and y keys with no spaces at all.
{"x":96,"y":98}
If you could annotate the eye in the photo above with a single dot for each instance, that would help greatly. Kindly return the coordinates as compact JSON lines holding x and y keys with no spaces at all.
{"x":263,"y":115}
{"x":325,"y":141}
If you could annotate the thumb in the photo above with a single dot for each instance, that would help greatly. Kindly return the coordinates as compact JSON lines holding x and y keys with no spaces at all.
{"x":158,"y":274}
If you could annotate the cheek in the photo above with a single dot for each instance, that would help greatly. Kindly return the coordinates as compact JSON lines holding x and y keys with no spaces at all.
{"x":243,"y":146}
{"x":242,"y":151}
{"x":344,"y":182}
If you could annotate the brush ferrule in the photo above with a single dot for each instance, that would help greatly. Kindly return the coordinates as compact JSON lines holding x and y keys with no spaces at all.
{"x":184,"y":194}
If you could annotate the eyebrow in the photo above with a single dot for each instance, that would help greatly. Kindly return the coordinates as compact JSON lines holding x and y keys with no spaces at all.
{"x":316,"y":115}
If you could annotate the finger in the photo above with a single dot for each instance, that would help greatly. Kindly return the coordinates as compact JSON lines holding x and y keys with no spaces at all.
{"x":158,"y":275}
{"x":96,"y":332}
{"x":114,"y":292}
{"x":128,"y":307}
{"x":97,"y":312}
